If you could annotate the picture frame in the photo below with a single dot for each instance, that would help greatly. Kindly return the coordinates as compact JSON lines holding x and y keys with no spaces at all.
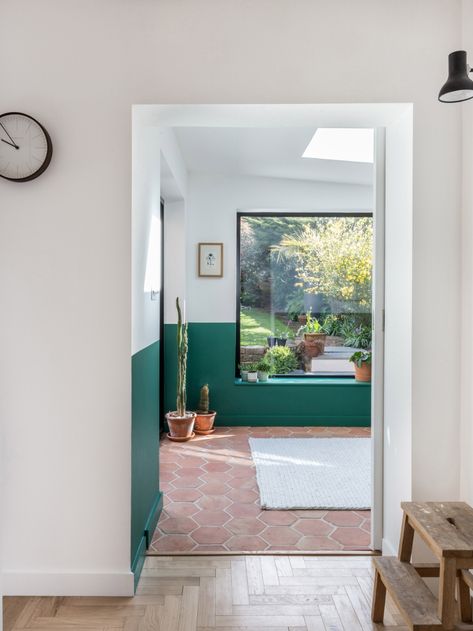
{"x":210,"y":260}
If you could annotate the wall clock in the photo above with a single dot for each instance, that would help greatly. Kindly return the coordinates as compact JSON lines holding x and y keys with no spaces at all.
{"x":25,"y":147}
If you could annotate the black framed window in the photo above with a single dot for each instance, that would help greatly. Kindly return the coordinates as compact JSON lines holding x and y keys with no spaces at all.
{"x":304,"y":292}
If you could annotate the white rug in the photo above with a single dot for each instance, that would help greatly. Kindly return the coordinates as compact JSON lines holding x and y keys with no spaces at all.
{"x":300,"y":473}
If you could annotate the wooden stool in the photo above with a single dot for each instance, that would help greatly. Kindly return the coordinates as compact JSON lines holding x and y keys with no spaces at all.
{"x":447,"y":528}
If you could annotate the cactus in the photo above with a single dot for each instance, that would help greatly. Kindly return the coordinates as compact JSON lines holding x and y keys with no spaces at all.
{"x":204,"y":400}
{"x":181,"y":362}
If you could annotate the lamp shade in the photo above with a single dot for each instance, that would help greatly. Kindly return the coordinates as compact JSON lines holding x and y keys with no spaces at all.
{"x":459,"y":86}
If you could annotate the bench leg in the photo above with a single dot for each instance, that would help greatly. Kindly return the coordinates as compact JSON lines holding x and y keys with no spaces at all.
{"x":465,"y":600}
{"x":447,"y":603}
{"x":406,"y":540}
{"x":379,"y":599}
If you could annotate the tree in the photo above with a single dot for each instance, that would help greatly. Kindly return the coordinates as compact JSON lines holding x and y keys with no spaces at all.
{"x":333,"y":258}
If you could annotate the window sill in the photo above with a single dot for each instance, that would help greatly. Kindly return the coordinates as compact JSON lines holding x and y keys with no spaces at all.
{"x":306,"y":381}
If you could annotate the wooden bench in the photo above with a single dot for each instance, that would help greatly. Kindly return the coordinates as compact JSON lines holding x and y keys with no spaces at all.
{"x":447,"y":528}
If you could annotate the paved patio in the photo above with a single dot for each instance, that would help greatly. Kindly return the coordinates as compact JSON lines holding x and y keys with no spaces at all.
{"x":211,"y":500}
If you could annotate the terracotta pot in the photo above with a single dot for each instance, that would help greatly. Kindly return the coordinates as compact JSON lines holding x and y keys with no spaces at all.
{"x":204,"y":422}
{"x":314,"y":344}
{"x":363,"y":372}
{"x":181,"y":426}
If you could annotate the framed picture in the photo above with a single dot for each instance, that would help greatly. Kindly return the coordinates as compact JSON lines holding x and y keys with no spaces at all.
{"x":211,"y":260}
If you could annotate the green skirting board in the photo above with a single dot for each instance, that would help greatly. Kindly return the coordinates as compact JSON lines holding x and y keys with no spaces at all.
{"x":283,"y":402}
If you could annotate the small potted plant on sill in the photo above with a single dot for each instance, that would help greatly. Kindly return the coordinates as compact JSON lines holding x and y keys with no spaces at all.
{"x":205,"y":418}
{"x":243,"y":371}
{"x":252,"y":373}
{"x":314,"y":336}
{"x":181,"y":422}
{"x":264,"y":368}
{"x":362,"y":362}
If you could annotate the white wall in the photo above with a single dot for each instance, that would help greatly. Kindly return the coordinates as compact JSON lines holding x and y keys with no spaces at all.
{"x":65,"y":254}
{"x":467,"y":275}
{"x":213,"y":202}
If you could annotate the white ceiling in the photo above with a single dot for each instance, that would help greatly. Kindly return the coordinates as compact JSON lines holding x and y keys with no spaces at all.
{"x":265,"y":152}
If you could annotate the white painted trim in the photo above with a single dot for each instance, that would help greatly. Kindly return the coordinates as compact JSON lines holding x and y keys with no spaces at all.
{"x":388,"y":549}
{"x":77,"y":584}
{"x":377,"y":389}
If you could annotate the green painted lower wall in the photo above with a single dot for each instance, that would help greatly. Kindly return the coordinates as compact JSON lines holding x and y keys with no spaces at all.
{"x":146,"y":499}
{"x":332,"y":402}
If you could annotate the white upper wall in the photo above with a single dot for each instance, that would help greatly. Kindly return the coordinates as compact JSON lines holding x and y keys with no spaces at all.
{"x":65,"y":255}
{"x":213,"y":202}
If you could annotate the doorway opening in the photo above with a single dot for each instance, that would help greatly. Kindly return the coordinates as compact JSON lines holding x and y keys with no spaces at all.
{"x":232,"y":164}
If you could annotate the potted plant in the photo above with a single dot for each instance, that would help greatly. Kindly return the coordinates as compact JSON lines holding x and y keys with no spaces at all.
{"x":314,"y":336}
{"x":181,"y":422}
{"x":205,"y":418}
{"x":243,"y":371}
{"x":252,"y":373}
{"x":279,"y":338}
{"x":264,"y":368}
{"x":362,"y":362}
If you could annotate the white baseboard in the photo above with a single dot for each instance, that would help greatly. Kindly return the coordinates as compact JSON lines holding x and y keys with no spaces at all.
{"x":80,"y":584}
{"x":388,"y":549}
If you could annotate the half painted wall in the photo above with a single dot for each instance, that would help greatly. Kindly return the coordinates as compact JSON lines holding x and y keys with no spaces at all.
{"x":285,"y":402}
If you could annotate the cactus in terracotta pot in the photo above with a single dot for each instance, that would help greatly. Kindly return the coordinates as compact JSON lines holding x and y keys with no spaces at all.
{"x":181,"y":422}
{"x":205,"y":418}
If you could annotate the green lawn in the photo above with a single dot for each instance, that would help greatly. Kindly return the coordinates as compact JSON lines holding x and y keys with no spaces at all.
{"x":256,"y":325}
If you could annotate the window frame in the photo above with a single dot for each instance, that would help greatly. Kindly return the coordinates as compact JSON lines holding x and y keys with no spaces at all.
{"x":239,"y":216}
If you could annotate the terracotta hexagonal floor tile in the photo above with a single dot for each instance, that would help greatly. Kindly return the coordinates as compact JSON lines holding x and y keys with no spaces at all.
{"x":243,"y":496}
{"x":210,"y":534}
{"x":280,"y":535}
{"x":194,"y":472}
{"x":313,"y":527}
{"x":313,"y":544}
{"x":185,"y":495}
{"x":240,"y":471}
{"x":213,"y":502}
{"x":243,"y":483}
{"x":343,"y":518}
{"x":211,"y":518}
{"x":177,"y":525}
{"x":214,"y":488}
{"x":245,"y":526}
{"x":351,"y":536}
{"x":278,"y":517}
{"x":246,"y":543}
{"x":181,"y":509}
{"x":187,"y":482}
{"x":174,"y":543}
{"x":214,"y":477}
{"x":215,"y":467}
{"x":244,"y":510}
{"x":193,"y":461}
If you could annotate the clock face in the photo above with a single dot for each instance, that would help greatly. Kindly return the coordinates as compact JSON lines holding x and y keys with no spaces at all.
{"x":25,"y":147}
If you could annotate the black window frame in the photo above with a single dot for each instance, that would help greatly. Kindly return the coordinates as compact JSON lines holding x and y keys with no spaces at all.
{"x":239,"y":216}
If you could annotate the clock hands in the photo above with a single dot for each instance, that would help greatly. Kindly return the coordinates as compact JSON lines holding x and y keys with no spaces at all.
{"x":12,"y":143}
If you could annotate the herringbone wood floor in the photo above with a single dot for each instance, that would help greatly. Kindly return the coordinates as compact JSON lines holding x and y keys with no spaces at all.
{"x":232,"y":593}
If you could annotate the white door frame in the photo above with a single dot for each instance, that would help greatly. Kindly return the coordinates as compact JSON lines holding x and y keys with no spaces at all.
{"x":377,"y":384}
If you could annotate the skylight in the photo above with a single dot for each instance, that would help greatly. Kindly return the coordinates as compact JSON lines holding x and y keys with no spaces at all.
{"x":347,"y":144}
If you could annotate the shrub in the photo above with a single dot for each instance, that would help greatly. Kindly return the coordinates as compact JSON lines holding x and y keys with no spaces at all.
{"x":282,"y":360}
{"x":264,"y":365}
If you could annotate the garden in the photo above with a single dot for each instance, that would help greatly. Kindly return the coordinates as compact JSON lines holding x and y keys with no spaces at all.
{"x":305,"y":287}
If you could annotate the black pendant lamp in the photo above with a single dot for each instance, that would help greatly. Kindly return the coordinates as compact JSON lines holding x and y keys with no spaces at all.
{"x":459,"y":86}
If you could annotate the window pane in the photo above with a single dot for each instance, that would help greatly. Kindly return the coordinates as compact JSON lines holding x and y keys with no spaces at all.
{"x":305,"y":292}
